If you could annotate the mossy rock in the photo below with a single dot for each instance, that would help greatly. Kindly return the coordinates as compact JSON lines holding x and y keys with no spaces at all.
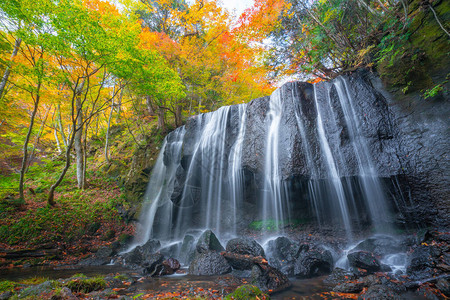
{"x":86,"y":285}
{"x":246,"y":292}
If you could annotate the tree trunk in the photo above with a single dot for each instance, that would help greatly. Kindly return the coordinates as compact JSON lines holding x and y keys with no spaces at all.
{"x":8,"y":68}
{"x":58,"y":144}
{"x":161,"y":123}
{"x":150,"y":109}
{"x":178,"y":116}
{"x":109,"y":126}
{"x":61,"y":127}
{"x":25,"y":144}
{"x":76,"y":114}
{"x":78,"y":141}
{"x":36,"y":142}
{"x":51,"y":194}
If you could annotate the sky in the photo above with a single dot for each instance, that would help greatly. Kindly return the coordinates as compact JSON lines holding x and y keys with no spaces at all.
{"x":238,"y":5}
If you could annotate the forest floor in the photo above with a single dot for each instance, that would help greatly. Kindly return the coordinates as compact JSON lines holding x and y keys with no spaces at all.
{"x":33,"y":233}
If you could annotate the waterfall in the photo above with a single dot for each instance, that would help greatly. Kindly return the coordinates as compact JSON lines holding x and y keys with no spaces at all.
{"x":335,"y":180}
{"x":273,"y":208}
{"x":236,"y":175}
{"x":303,"y":151}
{"x":373,"y":190}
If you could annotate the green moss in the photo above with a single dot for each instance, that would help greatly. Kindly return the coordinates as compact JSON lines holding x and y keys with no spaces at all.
{"x":34,"y":280}
{"x":7,"y":285}
{"x":86,"y":285}
{"x":246,"y":292}
{"x":122,"y":277}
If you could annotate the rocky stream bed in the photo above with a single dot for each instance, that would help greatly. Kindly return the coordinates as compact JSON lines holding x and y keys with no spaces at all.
{"x":380,"y":267}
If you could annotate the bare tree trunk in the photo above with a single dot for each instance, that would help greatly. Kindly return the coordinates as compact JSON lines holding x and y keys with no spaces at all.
{"x":51,"y":194}
{"x":78,"y":140}
{"x":25,"y":144}
{"x":58,"y":144}
{"x":61,"y":127}
{"x":36,"y":142}
{"x":8,"y":68}
{"x":119,"y":104}
{"x":109,"y":126}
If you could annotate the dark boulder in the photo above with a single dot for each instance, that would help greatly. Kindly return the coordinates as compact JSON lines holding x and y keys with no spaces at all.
{"x":152,"y":266}
{"x":208,"y":242}
{"x":150,"y":247}
{"x":170,"y":266}
{"x":139,"y":255}
{"x":381,"y":245}
{"x":282,"y":249}
{"x":444,"y":286}
{"x":429,"y":292}
{"x":420,"y":262}
{"x":209,"y":263}
{"x":134,"y":257}
{"x":243,"y":261}
{"x":312,"y":263}
{"x":379,"y":292}
{"x":364,"y":260}
{"x":339,"y":276}
{"x":268,"y":279}
{"x":349,"y":287}
{"x":245,"y":246}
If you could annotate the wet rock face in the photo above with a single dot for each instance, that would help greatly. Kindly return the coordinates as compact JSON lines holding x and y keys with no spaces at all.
{"x":245,"y":246}
{"x":209,"y":263}
{"x":407,"y":142}
{"x":313,"y":263}
{"x":423,"y":147}
{"x":382,"y":245}
{"x":268,"y":279}
{"x":339,"y":276}
{"x":208,"y":242}
{"x":379,"y":292}
{"x":364,"y":260}
{"x":430,"y":258}
{"x":301,"y":260}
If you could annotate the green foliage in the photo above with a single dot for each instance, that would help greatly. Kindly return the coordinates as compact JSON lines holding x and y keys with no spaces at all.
{"x":7,"y":285}
{"x":439,"y":88}
{"x":66,"y":222}
{"x":246,"y":292}
{"x":86,"y":285}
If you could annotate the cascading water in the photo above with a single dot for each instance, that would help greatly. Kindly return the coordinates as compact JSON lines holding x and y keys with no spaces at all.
{"x":160,"y":187}
{"x":301,"y":152}
{"x":373,"y":191}
{"x":236,"y":185}
{"x":273,"y":206}
{"x":333,"y":172}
